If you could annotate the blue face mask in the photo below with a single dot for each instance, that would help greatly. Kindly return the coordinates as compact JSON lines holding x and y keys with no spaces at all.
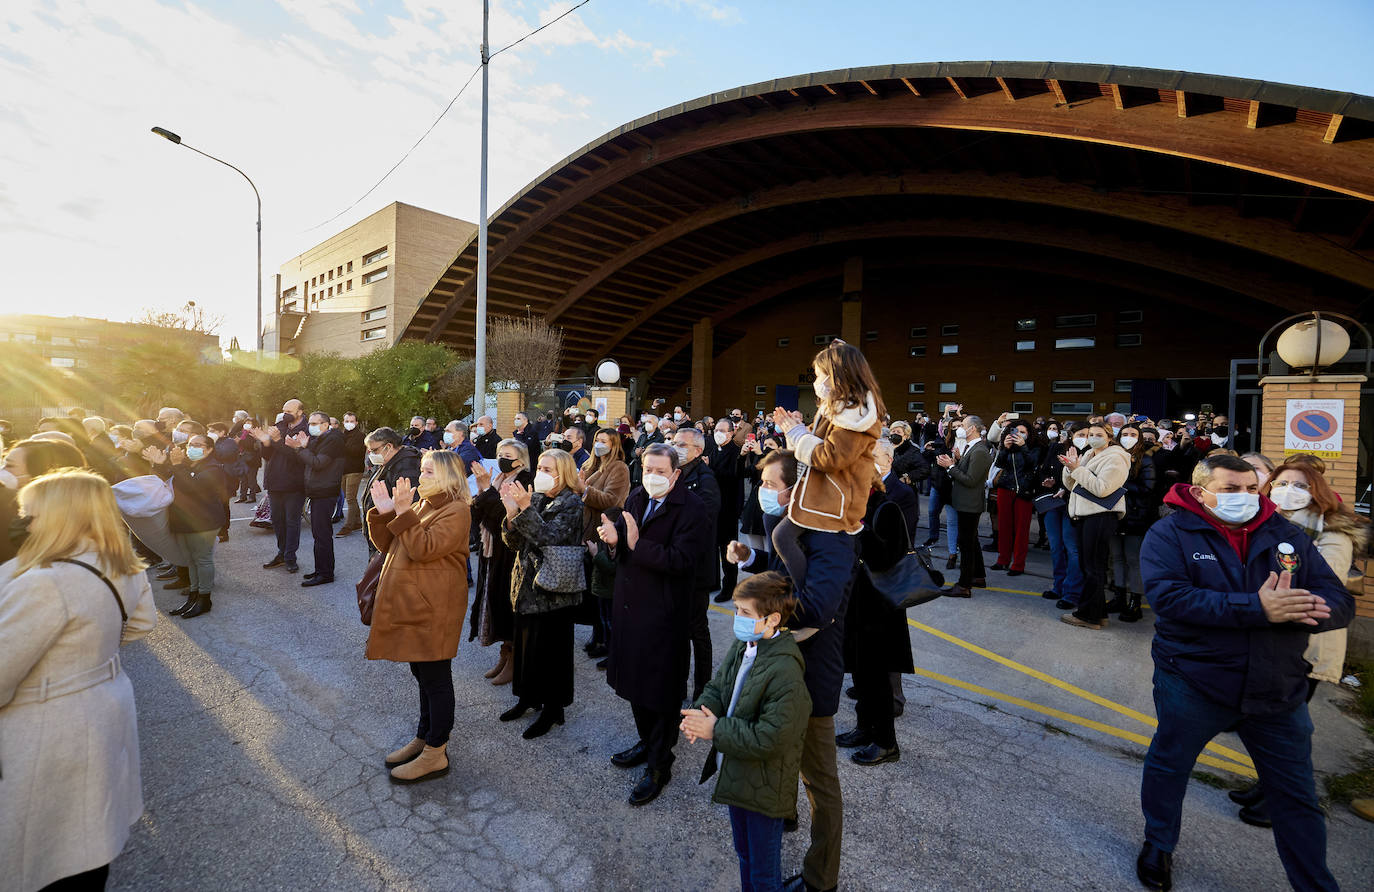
{"x":744,"y":627}
{"x":448,"y":438}
{"x":315,"y":430}
{"x":768,"y":501}
{"x":195,"y":453}
{"x":1236,"y":507}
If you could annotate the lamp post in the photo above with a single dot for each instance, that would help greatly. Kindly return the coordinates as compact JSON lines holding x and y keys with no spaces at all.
{"x":479,"y":393}
{"x":173,"y":138}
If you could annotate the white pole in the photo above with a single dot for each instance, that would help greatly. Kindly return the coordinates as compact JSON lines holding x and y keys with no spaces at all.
{"x":479,"y":393}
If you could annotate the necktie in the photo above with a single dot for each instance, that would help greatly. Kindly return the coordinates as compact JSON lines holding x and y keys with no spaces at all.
{"x":653,"y":506}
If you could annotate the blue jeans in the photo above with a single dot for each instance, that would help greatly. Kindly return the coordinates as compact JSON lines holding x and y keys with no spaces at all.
{"x":286,"y":522}
{"x":1068,"y":576}
{"x":758,"y":842}
{"x":933,"y":515}
{"x":1281,"y":746}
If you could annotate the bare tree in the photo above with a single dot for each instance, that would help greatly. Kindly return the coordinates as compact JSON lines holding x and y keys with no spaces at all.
{"x":188,"y":318}
{"x":525,"y":352}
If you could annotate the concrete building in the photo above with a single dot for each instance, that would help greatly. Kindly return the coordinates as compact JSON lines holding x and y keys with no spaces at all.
{"x":354,"y":292}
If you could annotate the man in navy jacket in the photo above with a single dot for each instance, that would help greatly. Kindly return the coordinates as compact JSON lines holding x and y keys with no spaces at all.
{"x":1236,"y":589}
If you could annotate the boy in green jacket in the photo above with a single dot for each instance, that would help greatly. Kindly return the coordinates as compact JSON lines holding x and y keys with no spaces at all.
{"x":755,"y":713}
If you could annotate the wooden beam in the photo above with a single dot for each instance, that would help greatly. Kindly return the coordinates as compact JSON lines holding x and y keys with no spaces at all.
{"x":829,"y":89}
{"x":910,"y":86}
{"x":1333,"y":129}
{"x":954,"y":82}
{"x":1253,"y":116}
{"x":1006,"y":89}
{"x":1058,"y":89}
{"x":1181,"y":103}
{"x":869,"y":87}
{"x":1118,"y":101}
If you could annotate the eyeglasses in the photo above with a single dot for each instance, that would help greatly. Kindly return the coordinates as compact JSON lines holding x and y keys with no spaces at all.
{"x":1302,"y":486}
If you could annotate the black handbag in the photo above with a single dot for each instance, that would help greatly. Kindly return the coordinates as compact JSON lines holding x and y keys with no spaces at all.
{"x":908,"y":582}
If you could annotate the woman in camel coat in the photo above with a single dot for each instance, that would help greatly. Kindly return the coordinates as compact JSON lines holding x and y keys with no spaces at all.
{"x":70,"y":784}
{"x":421,"y":599}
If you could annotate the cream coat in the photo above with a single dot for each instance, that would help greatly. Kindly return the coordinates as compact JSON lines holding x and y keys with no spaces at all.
{"x":1101,"y":474}
{"x":1326,"y":650}
{"x":71,"y":785}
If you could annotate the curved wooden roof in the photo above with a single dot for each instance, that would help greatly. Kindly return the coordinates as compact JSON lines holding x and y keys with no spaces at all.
{"x":1185,"y":187}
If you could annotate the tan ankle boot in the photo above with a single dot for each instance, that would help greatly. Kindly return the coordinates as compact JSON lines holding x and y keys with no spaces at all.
{"x":405,"y":753}
{"x":502,"y":658}
{"x":507,"y":673}
{"x":431,"y":763}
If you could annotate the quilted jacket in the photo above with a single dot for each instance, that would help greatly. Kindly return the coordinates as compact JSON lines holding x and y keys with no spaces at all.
{"x":556,"y":521}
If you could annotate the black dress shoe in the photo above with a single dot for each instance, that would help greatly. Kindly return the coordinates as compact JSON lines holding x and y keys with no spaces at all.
{"x":1000,"y":568}
{"x":635,"y":755}
{"x":546,"y":720}
{"x":929,"y":542}
{"x":851,"y":692}
{"x":1065,"y":604}
{"x":873,"y":754}
{"x":958,"y":591}
{"x":851,"y":739}
{"x":1154,"y":868}
{"x":190,"y":599}
{"x":1256,"y":815}
{"x":602,"y":664}
{"x":598,"y":652}
{"x":724,"y":597}
{"x":1050,"y":595}
{"x":275,"y":562}
{"x":292,"y":567}
{"x":316,"y":579}
{"x":1016,"y":572}
{"x":517,"y":710}
{"x":587,"y":648}
{"x":789,"y":825}
{"x":200,"y":605}
{"x":169,"y":573}
{"x":1249,"y":796}
{"x":649,"y":786}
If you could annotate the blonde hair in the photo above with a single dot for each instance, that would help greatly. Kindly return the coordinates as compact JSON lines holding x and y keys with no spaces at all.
{"x":449,"y":473}
{"x":73,"y":512}
{"x":522,"y":452}
{"x":567,"y":468}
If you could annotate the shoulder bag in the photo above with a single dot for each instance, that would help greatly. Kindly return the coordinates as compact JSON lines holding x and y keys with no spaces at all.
{"x":123,"y":614}
{"x":908,"y":582}
{"x":1108,"y":501}
{"x":367,"y":587}
{"x":560,"y":568}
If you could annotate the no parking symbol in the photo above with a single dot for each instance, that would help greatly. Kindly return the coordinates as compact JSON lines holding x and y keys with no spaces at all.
{"x":1313,"y":427}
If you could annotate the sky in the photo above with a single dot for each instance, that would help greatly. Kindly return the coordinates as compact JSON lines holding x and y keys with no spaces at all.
{"x":316,"y":99}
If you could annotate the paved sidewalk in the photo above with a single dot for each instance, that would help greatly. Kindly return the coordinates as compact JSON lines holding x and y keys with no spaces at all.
{"x":263,"y":730}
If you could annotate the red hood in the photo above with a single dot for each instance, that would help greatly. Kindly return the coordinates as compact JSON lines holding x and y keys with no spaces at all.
{"x":1180,"y":496}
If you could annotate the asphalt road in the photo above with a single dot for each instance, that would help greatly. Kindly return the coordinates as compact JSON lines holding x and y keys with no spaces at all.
{"x":263,"y":730}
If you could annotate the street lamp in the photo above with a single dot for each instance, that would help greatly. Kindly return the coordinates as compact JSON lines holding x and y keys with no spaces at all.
{"x":173,"y":138}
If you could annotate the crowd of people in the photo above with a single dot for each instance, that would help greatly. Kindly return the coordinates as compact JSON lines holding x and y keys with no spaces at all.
{"x":630,"y":528}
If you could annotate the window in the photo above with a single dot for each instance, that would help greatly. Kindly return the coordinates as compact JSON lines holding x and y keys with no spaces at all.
{"x":349,"y":285}
{"x":1025,"y":325}
{"x":290,"y":306}
{"x":1023,"y":407}
{"x":784,"y":342}
{"x":949,"y":331}
{"x":1122,"y":385}
{"x":916,"y":388}
{"x":341,"y":272}
{"x":25,"y":337}
{"x":915,"y":407}
{"x":1074,"y":343}
{"x":758,"y":404}
{"x":331,"y":275}
{"x":760,"y":390}
{"x":58,"y":341}
{"x":1130,"y":317}
{"x":949,"y":387}
{"x":918,"y":332}
{"x":916,"y":352}
{"x":374,"y":314}
{"x":63,"y":362}
{"x":87,"y":342}
{"x":1079,"y":320}
{"x":1023,"y":346}
{"x":822,"y":340}
{"x":312,"y":281}
{"x":350,"y":266}
{"x":374,"y":334}
{"x":379,"y":254}
{"x":870,"y":336}
{"x":1023,"y":387}
{"x":1128,"y":340}
{"x":948,"y":349}
{"x":290,"y":292}
{"x":1071,"y":408}
{"x":330,"y":292}
{"x":375,"y":276}
{"x":1079,"y":386}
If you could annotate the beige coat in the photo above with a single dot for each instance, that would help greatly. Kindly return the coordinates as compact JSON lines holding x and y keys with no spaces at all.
{"x":71,"y":785}
{"x":1101,"y":474}
{"x":606,"y":490}
{"x":831,"y":492}
{"x":1336,"y":542}
{"x":422,"y":595}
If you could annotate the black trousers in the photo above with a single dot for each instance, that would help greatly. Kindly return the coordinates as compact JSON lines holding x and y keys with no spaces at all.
{"x":436,"y":700}
{"x":286,"y":521}
{"x":544,"y":658}
{"x":81,"y":882}
{"x":699,"y":627}
{"x":970,"y":549}
{"x":874,"y":704}
{"x":658,"y":733}
{"x":322,"y":531}
{"x":1095,"y":533}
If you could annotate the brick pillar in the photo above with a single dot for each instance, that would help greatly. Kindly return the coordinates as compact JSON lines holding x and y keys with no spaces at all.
{"x":508,"y":402}
{"x":851,"y":307}
{"x":617,"y":403}
{"x":703,"y":356}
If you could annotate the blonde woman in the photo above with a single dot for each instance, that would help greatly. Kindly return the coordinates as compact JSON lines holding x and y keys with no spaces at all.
{"x":1096,"y":482}
{"x":421,"y":598}
{"x":68,"y":729}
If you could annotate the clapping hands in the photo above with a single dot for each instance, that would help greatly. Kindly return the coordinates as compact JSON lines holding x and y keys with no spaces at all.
{"x":698,"y":724}
{"x":381,"y":498}
{"x":402,"y":495}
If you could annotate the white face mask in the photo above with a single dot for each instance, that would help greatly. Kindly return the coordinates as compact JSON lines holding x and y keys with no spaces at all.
{"x":376,"y":458}
{"x":180,"y":436}
{"x":656,"y":485}
{"x":681,"y":454}
{"x":722,"y":438}
{"x":601,"y":449}
{"x":822,"y":387}
{"x":1218,"y":440}
{"x":961,"y":434}
{"x":350,"y":425}
{"x":1129,"y":442}
{"x":1052,"y":435}
{"x":543,"y":482}
{"x":316,"y":430}
{"x":248,"y":425}
{"x":677,"y":416}
{"x":1289,"y":497}
{"x":1080,"y":443}
{"x":8,"y":480}
{"x":882,"y":472}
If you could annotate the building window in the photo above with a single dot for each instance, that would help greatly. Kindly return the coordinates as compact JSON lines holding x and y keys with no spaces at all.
{"x":1071,"y":408}
{"x":379,"y":254}
{"x":758,"y":404}
{"x":870,"y":336}
{"x":1023,"y":346}
{"x":916,"y":352}
{"x":330,"y":292}
{"x":58,"y":341}
{"x":1130,"y":317}
{"x":331,"y":275}
{"x":63,"y":362}
{"x":948,"y":349}
{"x":374,"y":314}
{"x":823,"y":340}
{"x":784,"y":342}
{"x":948,"y":331}
{"x":374,"y":334}
{"x":87,"y":342}
{"x":918,"y":332}
{"x":916,"y":388}
{"x":1122,"y":385}
{"x":915,"y":407}
{"x":1025,"y":325}
{"x":949,"y":387}
{"x":1074,"y":343}
{"x":375,"y":276}
{"x":1079,"y":386}
{"x":1128,"y":340}
{"x":290,"y":306}
{"x":350,"y":266}
{"x":25,"y":337}
{"x":349,"y":285}
{"x":1023,"y":387}
{"x":760,"y":389}
{"x":340,"y":272}
{"x":290,"y":292}
{"x":1023,"y":407}
{"x":312,"y":281}
{"x":1077,"y":320}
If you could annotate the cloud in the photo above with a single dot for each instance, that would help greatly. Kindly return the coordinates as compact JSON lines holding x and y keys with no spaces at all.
{"x":720,"y":13}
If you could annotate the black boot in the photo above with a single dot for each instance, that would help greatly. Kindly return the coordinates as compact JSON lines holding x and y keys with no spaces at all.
{"x":1131,"y":612}
{"x":190,"y":599}
{"x":1118,"y":601}
{"x":1249,"y":796}
{"x":200,"y":605}
{"x":548,"y":717}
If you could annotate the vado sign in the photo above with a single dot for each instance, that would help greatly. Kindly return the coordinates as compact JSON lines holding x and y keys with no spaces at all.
{"x":1314,"y":427}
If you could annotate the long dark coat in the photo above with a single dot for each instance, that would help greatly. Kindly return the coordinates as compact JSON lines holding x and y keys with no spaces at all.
{"x":726,"y":464}
{"x":491,"y":617}
{"x":653,"y":590}
{"x":870,"y":624}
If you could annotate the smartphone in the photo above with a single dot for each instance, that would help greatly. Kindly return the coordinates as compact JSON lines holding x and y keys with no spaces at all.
{"x":751,"y":438}
{"x":1013,"y":416}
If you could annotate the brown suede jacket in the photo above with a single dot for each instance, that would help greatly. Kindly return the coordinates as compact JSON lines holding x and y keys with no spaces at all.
{"x":831,"y":494}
